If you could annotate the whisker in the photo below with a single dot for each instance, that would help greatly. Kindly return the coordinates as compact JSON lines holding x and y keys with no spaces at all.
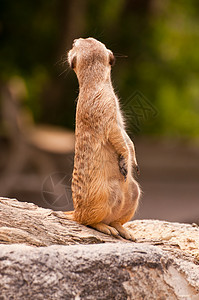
{"x":66,"y":70}
{"x":62,"y":60}
{"x":120,"y":55}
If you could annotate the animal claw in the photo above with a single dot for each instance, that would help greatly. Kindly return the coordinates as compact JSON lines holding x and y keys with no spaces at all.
{"x":137,"y":169}
{"x":123,"y":167}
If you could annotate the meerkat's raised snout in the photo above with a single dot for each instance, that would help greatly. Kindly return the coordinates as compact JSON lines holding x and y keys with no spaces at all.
{"x":105,"y":193}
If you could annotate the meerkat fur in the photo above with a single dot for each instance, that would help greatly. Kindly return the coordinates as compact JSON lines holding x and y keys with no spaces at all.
{"x":105,"y":193}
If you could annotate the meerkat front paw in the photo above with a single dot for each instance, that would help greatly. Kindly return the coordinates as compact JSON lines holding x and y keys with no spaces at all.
{"x":123,"y":166}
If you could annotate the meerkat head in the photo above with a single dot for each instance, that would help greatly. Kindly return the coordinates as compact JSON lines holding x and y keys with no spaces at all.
{"x":89,"y":55}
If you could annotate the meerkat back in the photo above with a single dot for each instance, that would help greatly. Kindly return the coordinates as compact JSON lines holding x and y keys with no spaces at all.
{"x":105,"y":193}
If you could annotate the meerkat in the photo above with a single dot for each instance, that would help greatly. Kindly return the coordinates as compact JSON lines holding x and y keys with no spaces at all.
{"x":105,"y":193}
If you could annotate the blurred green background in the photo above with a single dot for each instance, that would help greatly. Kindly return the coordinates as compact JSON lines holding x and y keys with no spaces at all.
{"x":156,"y":44}
{"x":156,"y":77}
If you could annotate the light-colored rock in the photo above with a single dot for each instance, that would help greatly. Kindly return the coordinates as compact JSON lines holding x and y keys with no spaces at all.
{"x":162,"y":264}
{"x":103,"y":271}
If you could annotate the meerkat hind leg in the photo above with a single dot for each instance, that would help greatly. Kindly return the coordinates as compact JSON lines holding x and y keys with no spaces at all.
{"x":123,"y":231}
{"x":105,"y":229}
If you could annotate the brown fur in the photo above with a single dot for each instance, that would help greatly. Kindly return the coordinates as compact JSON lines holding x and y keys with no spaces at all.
{"x":104,"y":197}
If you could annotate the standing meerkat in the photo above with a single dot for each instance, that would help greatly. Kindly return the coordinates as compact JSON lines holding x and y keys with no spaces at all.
{"x":105,"y":194}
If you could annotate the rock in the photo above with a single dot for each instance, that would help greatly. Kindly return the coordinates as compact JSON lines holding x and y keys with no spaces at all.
{"x":22,"y":222}
{"x":103,"y":271}
{"x":80,"y":263}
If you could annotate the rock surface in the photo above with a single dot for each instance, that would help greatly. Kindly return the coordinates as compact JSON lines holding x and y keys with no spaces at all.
{"x":163,"y":263}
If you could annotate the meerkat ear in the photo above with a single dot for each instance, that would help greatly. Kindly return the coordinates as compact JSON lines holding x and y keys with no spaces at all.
{"x":111,"y":59}
{"x":73,"y":62}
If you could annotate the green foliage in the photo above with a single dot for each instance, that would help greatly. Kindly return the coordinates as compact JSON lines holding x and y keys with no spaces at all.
{"x":160,"y":38}
{"x":176,"y":44}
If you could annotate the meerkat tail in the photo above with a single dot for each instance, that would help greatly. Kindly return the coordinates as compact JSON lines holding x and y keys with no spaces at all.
{"x":69,"y":214}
